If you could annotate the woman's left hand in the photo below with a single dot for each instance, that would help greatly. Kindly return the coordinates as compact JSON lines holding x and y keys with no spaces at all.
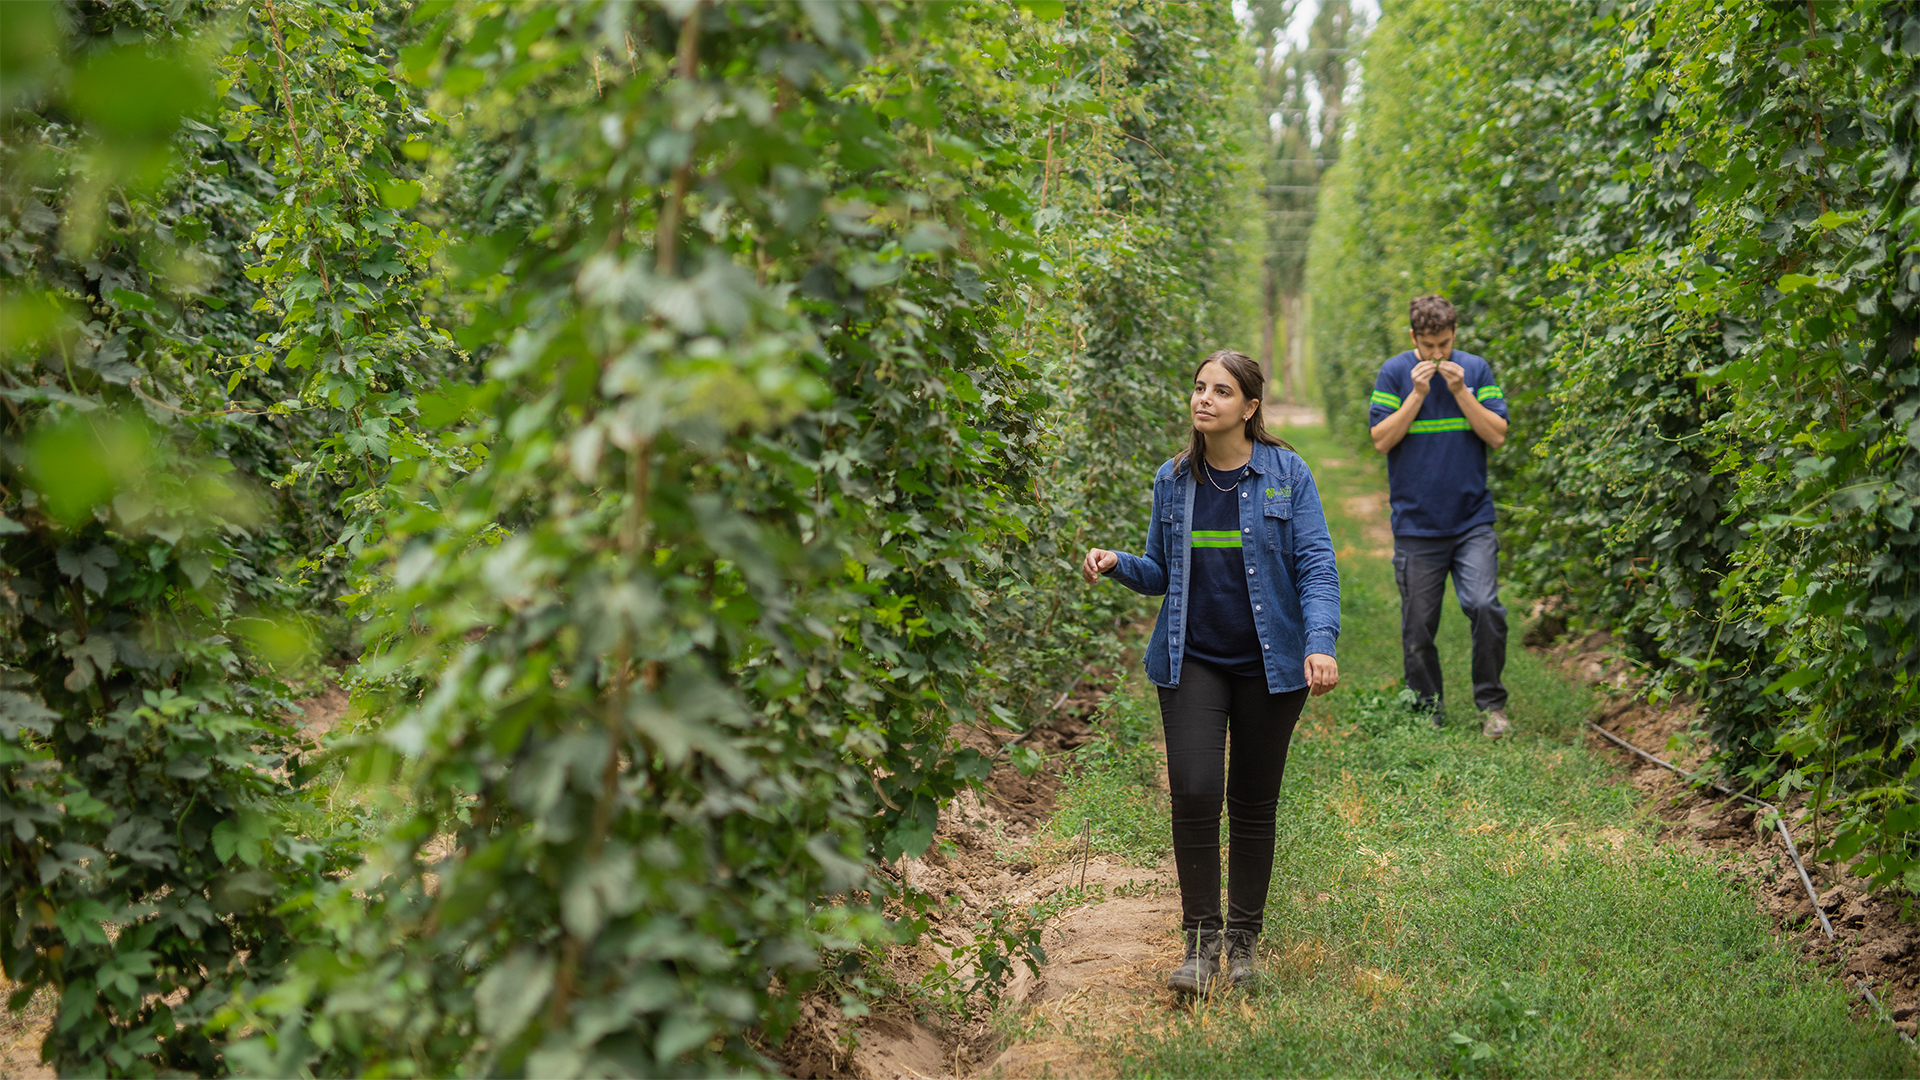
{"x":1323,"y":673}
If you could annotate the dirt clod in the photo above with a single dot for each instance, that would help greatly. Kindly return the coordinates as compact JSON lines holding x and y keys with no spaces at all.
{"x":1549,"y":625}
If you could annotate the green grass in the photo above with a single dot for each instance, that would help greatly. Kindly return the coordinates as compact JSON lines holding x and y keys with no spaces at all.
{"x":1443,"y":904}
{"x":1112,"y":784}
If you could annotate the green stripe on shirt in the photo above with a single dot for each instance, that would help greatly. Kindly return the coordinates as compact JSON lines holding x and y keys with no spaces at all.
{"x":1487,"y":392}
{"x":1428,"y":427}
{"x":1381,"y":397}
{"x":1216,"y":538}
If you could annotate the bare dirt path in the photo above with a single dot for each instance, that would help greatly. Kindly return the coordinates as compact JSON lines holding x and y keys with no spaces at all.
{"x":20,"y":1035}
{"x":1105,"y":963}
{"x":1281,"y":414}
{"x":1106,"y":954}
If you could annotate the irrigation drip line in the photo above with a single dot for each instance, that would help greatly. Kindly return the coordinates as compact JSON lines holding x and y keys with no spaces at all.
{"x":1780,"y":821}
{"x":1778,"y":818}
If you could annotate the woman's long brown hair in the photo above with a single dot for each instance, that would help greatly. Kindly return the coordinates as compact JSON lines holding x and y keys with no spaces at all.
{"x":1253,"y":386}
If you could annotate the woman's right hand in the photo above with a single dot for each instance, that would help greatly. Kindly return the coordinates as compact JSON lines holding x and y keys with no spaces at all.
{"x":1099,"y":561}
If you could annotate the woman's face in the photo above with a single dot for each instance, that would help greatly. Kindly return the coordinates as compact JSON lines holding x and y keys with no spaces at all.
{"x":1218,"y":406}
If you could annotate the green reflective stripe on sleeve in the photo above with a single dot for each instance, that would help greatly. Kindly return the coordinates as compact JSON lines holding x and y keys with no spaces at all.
{"x":1428,"y":427}
{"x":1381,"y":397}
{"x":1215,"y":538}
{"x":1486,"y":392}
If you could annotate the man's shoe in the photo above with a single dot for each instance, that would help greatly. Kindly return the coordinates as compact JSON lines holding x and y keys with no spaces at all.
{"x":1496,"y":724}
{"x":1240,"y":962}
{"x":1196,"y":975}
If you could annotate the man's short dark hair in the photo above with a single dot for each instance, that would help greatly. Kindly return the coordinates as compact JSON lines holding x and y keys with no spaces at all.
{"x":1430,"y":314}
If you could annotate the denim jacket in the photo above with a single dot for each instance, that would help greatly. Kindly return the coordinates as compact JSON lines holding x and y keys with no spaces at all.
{"x":1291,"y":577}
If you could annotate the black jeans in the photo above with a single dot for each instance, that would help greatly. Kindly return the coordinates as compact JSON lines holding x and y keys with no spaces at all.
{"x":1420,"y":567}
{"x":1197,"y":715}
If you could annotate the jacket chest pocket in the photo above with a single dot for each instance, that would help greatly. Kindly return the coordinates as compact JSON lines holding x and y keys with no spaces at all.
{"x":1277,"y":511}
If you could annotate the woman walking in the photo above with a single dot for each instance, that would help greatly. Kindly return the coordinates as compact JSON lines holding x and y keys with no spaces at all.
{"x":1239,"y":547}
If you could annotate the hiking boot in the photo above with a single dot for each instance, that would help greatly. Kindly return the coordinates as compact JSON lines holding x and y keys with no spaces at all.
{"x":1496,"y":724}
{"x":1240,"y":962}
{"x":1202,"y":965}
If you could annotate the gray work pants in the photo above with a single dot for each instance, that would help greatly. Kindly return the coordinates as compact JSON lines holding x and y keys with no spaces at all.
{"x":1420,"y":567}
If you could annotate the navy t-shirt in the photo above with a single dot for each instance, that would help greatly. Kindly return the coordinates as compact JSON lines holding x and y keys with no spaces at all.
{"x":1220,"y":627}
{"x":1437,"y":475}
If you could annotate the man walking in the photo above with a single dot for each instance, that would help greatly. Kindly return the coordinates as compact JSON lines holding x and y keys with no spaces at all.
{"x":1435,"y":412}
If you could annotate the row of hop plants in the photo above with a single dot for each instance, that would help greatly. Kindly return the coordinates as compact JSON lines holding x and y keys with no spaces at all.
{"x":677,"y":418}
{"x":1686,"y":234}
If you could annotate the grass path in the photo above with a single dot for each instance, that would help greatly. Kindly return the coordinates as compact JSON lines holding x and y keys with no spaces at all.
{"x":1444,"y":904}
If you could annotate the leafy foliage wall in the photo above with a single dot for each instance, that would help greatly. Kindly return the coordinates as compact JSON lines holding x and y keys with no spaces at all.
{"x":687,"y":413}
{"x":1685,"y":234}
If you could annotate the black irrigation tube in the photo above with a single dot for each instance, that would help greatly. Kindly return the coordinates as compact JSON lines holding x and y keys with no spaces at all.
{"x":1780,"y":821}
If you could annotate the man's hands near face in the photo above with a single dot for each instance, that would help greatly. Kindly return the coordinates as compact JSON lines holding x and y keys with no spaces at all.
{"x":1424,"y":371}
{"x":1433,"y":355}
